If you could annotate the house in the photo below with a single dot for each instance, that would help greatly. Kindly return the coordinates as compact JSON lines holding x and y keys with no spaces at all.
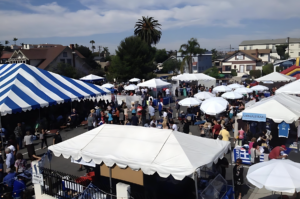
{"x":48,"y":57}
{"x":5,"y":56}
{"x":200,"y":62}
{"x":245,"y":60}
{"x":293,"y":46}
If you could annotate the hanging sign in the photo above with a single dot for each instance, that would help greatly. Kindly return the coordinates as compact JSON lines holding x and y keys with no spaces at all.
{"x":37,"y":179}
{"x":257,"y":117}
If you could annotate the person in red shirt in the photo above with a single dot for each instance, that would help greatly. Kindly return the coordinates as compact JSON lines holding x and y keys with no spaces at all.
{"x":216,"y":129}
{"x":275,"y":153}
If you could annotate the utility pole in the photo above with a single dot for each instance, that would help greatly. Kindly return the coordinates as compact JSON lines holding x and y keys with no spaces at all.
{"x":99,"y":50}
{"x":288,"y":41}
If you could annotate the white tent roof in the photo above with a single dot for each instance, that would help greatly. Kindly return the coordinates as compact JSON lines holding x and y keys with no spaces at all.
{"x":291,"y":88}
{"x":108,"y":85}
{"x":154,"y":83}
{"x":192,"y":77}
{"x":222,"y":88}
{"x":259,"y":88}
{"x":131,"y":87}
{"x":134,"y":80}
{"x":275,"y":77}
{"x":235,"y":86}
{"x":281,"y":107}
{"x":151,"y":150}
{"x":232,"y":95}
{"x":91,"y":77}
{"x":204,"y":95}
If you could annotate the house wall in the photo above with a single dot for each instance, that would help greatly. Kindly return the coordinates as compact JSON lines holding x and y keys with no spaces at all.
{"x":294,"y":50}
{"x":239,"y":65}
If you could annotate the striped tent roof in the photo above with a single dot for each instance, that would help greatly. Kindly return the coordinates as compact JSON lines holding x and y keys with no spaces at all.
{"x":24,"y":87}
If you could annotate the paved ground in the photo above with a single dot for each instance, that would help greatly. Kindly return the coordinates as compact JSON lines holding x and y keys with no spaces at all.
{"x":65,"y":165}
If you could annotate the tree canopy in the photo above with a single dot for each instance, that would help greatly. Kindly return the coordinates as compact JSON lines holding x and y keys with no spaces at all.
{"x":66,"y":70}
{"x":161,"y":55}
{"x":134,"y":58}
{"x":281,"y":50}
{"x":268,"y":68}
{"x":171,"y":65}
{"x":147,"y":29}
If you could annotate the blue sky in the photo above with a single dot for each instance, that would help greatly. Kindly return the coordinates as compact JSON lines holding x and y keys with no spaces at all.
{"x":215,"y":23}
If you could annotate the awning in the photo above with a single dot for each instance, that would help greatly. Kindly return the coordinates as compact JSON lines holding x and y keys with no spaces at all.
{"x":152,"y":150}
{"x":291,"y":88}
{"x":154,"y":83}
{"x":275,"y":77}
{"x":24,"y":87}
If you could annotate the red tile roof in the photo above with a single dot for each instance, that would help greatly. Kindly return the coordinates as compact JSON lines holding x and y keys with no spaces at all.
{"x":6,"y":55}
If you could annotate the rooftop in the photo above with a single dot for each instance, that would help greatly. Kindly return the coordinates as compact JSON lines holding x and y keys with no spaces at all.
{"x":269,"y":41}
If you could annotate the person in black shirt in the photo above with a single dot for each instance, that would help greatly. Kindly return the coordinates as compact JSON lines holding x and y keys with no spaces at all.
{"x":134,"y":120}
{"x":238,"y":171}
{"x":144,"y":113}
{"x":223,"y":164}
{"x":57,"y":138}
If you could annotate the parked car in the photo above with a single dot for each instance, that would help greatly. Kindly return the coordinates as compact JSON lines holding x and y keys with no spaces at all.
{"x":254,"y":83}
{"x":244,"y":77}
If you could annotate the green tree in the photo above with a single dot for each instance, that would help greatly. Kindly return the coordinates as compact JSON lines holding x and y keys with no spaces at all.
{"x":255,"y":73}
{"x":214,"y":54}
{"x":134,"y":58}
{"x":281,"y":50}
{"x":188,"y":50}
{"x":171,"y":65}
{"x":147,"y":29}
{"x":286,"y":56}
{"x":6,"y":42}
{"x":65,"y":70}
{"x":233,"y":72}
{"x":214,"y":72}
{"x":15,"y":40}
{"x":268,"y":68}
{"x":85,"y":51}
{"x":92,"y":42}
{"x":161,"y":55}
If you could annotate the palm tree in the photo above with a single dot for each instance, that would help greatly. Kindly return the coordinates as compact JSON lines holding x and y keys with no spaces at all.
{"x":147,"y":29}
{"x":15,"y":40}
{"x":6,"y":42}
{"x":93,"y":47}
{"x":192,"y":48}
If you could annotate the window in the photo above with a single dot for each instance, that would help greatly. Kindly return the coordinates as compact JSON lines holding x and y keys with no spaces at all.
{"x":62,"y":60}
{"x":239,"y":57}
{"x":248,"y":68}
{"x":250,"y":47}
{"x":267,"y":46}
{"x":65,"y":54}
{"x":245,"y":47}
{"x":69,"y":61}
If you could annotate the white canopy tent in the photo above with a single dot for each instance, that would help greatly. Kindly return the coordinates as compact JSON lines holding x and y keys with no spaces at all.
{"x":91,"y":77}
{"x":275,"y":77}
{"x":131,"y":87}
{"x":154,"y":83}
{"x":204,"y":95}
{"x":291,"y":88}
{"x":201,"y":78}
{"x":151,"y":150}
{"x":134,"y":80}
{"x":281,"y":107}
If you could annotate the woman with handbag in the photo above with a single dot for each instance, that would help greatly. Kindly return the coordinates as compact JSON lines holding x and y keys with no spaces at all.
{"x":255,"y":153}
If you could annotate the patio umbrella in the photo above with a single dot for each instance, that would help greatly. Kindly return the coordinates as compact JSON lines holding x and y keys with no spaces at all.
{"x":243,"y":90}
{"x":108,"y":85}
{"x":259,"y":88}
{"x":203,"y":95}
{"x":235,"y":86}
{"x":134,"y":80}
{"x":190,"y":101}
{"x":232,"y":95}
{"x":214,"y":105}
{"x":276,"y":175}
{"x":222,"y":88}
{"x":131,"y":87}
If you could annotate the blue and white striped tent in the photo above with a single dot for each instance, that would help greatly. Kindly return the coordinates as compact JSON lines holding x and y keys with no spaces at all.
{"x":24,"y":87}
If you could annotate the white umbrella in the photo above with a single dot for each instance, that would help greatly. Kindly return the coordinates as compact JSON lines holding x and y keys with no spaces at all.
{"x":108,"y":85}
{"x":134,"y":80}
{"x":222,"y":88}
{"x":235,"y":86}
{"x":259,"y":88}
{"x":214,"y":105}
{"x":189,"y":102}
{"x":91,"y":77}
{"x":276,"y":175}
{"x":243,"y":90}
{"x":232,"y":95}
{"x":203,"y":95}
{"x":131,"y":87}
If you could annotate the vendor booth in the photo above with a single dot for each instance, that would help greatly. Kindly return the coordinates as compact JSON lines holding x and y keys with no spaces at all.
{"x":276,"y":77}
{"x":144,"y":156}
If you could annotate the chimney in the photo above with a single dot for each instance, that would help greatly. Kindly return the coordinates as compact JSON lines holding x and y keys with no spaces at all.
{"x":72,"y":47}
{"x":257,"y":53}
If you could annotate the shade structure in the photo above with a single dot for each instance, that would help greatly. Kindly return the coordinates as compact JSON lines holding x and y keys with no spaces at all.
{"x":222,"y":88}
{"x":259,"y":88}
{"x":235,"y":86}
{"x":214,"y":105}
{"x":279,"y":108}
{"x":108,"y":85}
{"x":291,"y":88}
{"x":276,"y":175}
{"x":24,"y":87}
{"x":204,"y":95}
{"x":154,"y":83}
{"x":152,"y":150}
{"x":131,"y":87}
{"x":134,"y":80}
{"x":91,"y":77}
{"x":232,"y":95}
{"x":192,"y":77}
{"x":276,"y":77}
{"x":190,"y":101}
{"x":243,"y":90}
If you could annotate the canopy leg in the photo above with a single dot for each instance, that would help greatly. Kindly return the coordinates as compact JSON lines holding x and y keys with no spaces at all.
{"x":196,"y":186}
{"x":110,"y":183}
{"x":231,"y":170}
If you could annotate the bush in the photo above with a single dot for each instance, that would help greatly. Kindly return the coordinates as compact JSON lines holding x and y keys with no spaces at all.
{"x":233,"y":72}
{"x":255,"y":73}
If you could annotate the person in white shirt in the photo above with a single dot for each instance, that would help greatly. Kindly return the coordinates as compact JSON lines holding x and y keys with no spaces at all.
{"x":167,"y":92}
{"x":153,"y":121}
{"x":174,"y":126}
{"x":151,"y":111}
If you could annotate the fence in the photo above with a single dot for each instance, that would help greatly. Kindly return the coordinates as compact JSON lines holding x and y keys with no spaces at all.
{"x":65,"y":186}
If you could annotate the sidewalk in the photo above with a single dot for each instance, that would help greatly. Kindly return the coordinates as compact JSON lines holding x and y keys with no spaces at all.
{"x":266,"y":194}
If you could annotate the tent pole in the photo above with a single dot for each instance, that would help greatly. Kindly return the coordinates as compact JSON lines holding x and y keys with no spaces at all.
{"x":196,"y":186}
{"x":110,"y":183}
{"x":231,"y":169}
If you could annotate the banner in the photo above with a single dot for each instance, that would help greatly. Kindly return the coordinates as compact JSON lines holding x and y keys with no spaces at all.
{"x":257,"y":117}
